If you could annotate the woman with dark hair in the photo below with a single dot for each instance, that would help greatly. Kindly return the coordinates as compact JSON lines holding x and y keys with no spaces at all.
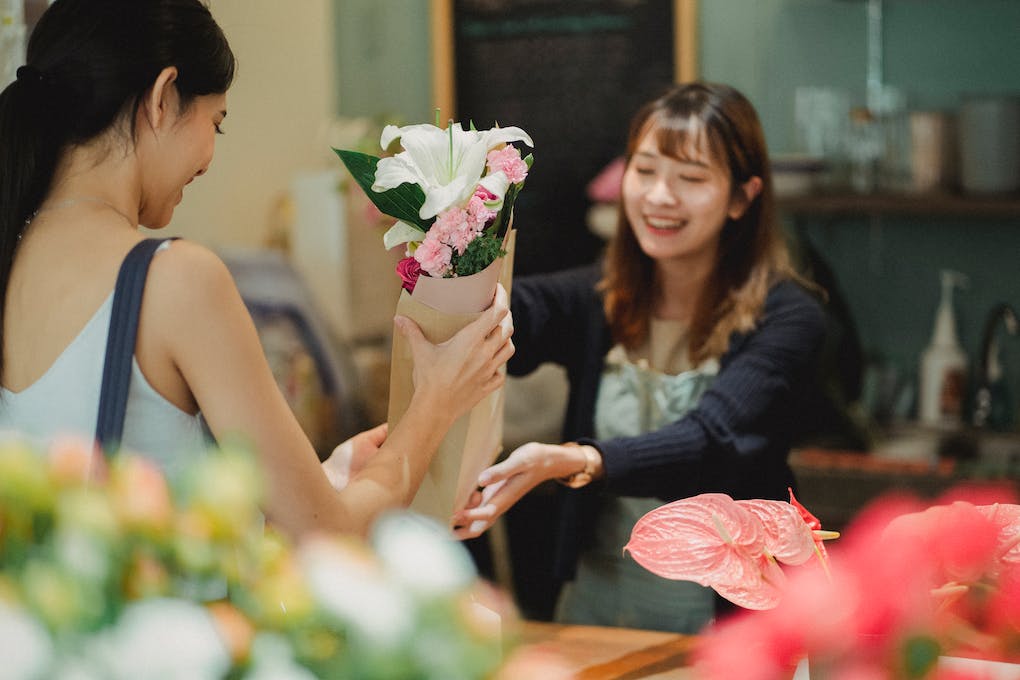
{"x":685,"y":351}
{"x":114,"y":114}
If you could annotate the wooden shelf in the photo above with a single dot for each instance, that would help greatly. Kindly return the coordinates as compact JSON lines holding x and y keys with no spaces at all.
{"x":923,"y":205}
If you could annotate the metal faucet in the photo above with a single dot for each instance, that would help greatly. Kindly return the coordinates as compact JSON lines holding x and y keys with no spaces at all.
{"x":989,"y":368}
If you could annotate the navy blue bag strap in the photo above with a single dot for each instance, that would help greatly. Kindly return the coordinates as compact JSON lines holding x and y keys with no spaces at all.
{"x":120,"y":343}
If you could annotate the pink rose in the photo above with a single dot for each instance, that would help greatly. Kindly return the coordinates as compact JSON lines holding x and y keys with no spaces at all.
{"x":434,"y":256}
{"x":508,"y":161}
{"x":409,"y":270}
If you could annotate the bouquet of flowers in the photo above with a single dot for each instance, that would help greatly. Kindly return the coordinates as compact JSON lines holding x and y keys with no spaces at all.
{"x":910,"y":592}
{"x":452,"y":193}
{"x":112,"y":572}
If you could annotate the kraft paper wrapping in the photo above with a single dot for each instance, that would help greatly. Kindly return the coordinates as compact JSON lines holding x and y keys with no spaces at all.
{"x":441,"y":308}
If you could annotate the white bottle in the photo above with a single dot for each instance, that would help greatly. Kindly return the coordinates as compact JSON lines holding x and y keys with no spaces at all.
{"x":944,"y":364}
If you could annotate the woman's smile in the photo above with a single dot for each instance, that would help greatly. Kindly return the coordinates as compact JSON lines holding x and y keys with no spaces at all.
{"x":664,"y":224}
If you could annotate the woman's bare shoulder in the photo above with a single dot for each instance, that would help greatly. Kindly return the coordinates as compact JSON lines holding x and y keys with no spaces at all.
{"x":188,"y":273}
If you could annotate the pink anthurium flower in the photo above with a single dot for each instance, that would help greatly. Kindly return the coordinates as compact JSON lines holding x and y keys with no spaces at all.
{"x":817,"y":532}
{"x":730,"y":546}
{"x":1006,"y":517}
{"x":710,"y":540}
{"x":788,"y":537}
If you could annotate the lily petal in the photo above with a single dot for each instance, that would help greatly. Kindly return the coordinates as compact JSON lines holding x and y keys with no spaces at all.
{"x":497,"y":183}
{"x":393,"y":171}
{"x":497,"y":136}
{"x":402,"y":232}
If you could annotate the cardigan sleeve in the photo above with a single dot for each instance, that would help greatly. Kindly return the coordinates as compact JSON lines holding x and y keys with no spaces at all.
{"x":548,"y":314}
{"x":740,"y":421}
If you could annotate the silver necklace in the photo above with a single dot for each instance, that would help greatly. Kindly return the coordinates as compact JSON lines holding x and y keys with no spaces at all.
{"x":74,"y":200}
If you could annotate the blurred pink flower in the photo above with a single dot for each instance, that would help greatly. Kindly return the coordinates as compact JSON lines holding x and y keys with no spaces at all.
{"x":606,"y":186}
{"x":885,"y":608}
{"x":140,"y":493}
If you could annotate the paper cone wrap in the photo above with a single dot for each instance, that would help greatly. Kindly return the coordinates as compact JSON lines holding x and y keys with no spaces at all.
{"x":441,"y":307}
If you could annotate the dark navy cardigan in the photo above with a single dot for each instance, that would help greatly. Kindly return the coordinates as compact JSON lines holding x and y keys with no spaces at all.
{"x":735,"y":441}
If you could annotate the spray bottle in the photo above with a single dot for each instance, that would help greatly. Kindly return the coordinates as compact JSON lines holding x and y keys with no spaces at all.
{"x":944,"y":363}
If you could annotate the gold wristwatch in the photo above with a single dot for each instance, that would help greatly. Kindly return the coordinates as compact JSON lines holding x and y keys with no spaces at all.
{"x":584,"y":477}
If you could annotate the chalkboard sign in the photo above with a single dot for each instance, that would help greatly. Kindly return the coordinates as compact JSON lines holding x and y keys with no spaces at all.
{"x":570,"y":72}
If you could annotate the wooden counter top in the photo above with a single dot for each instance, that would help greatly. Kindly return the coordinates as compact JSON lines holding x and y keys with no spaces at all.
{"x":601,"y":653}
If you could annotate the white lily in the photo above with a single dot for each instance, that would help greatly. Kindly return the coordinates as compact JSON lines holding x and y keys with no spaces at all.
{"x":446,"y":164}
{"x":402,"y":232}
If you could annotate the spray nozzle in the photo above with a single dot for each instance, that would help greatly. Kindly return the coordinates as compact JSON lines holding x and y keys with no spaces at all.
{"x":945,"y":323}
{"x":950,"y":279}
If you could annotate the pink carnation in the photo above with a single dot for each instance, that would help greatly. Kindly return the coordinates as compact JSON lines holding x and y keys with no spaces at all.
{"x":508,"y":161}
{"x":478,"y":214}
{"x":434,"y":256}
{"x":457,"y":227}
{"x":484,"y":194}
{"x":448,"y":223}
{"x":409,"y":270}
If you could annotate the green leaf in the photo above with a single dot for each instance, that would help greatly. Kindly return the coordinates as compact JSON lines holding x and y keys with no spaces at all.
{"x":499,"y":225}
{"x":920,"y":654}
{"x":478,"y":255}
{"x":402,"y":202}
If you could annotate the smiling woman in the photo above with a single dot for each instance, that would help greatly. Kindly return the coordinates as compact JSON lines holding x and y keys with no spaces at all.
{"x":686,"y":351}
{"x":115,"y":112}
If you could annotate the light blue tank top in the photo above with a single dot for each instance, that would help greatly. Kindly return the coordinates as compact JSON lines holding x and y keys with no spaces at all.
{"x":65,"y":400}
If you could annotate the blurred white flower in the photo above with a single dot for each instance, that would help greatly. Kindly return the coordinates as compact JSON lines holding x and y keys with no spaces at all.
{"x":25,"y":646}
{"x":82,"y":554}
{"x":272,"y":658}
{"x":352,"y":590}
{"x":165,"y":639}
{"x":420,"y":554}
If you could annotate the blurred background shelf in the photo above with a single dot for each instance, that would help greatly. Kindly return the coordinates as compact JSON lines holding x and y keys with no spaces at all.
{"x":922,"y":205}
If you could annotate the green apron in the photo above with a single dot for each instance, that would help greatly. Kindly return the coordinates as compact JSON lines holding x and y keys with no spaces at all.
{"x":611,"y":589}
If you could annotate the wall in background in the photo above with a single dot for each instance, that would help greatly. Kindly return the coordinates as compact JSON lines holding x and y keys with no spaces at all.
{"x":935,"y":51}
{"x":382,"y":57}
{"x":282,"y":99}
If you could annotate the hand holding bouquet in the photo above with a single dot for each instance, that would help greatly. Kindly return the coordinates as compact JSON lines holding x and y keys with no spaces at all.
{"x":451,"y":192}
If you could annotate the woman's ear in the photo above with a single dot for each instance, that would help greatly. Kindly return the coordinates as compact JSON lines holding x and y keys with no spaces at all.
{"x":161,"y":99}
{"x":742,"y":198}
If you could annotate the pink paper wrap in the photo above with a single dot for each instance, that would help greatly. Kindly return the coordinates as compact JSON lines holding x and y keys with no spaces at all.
{"x":441,"y":307}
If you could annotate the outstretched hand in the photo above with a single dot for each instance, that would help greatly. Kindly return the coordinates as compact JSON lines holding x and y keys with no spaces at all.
{"x":458,"y":373}
{"x":350,"y":457}
{"x":505,"y":483}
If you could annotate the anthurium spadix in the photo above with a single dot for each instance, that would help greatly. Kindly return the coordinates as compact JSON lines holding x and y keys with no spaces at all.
{"x":447,"y":164}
